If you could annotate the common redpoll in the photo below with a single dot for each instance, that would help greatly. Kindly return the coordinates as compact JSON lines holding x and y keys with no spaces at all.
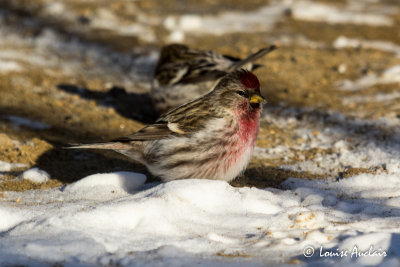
{"x":211,"y":137}
{"x":183,"y":74}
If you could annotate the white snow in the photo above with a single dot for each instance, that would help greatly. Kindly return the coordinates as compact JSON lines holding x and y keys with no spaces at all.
{"x":9,"y":66}
{"x":358,"y":211}
{"x":312,"y":11}
{"x":262,"y":19}
{"x":110,"y":182}
{"x":56,"y":8}
{"x":390,"y":75}
{"x":9,"y":218}
{"x":38,"y":59}
{"x":6,"y":166}
{"x":197,"y":221}
{"x":105,"y":19}
{"x":342,"y":42}
{"x":381,"y":97}
{"x":35,"y":175}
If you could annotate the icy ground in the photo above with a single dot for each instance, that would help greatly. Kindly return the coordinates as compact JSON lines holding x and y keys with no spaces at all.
{"x":181,"y":222}
{"x":116,"y":219}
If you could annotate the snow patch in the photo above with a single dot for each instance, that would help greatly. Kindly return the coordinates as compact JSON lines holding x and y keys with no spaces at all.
{"x":35,"y":175}
{"x":192,"y":216}
{"x":390,"y":75}
{"x":313,"y":11}
{"x":199,"y":219}
{"x":106,"y":183}
{"x":6,"y":166}
{"x":343,"y":42}
{"x":105,"y":19}
{"x":9,"y":218}
{"x":371,"y":98}
{"x":260,"y":20}
{"x":9,"y":66}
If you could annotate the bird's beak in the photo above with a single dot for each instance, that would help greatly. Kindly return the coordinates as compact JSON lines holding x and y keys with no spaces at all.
{"x":257,"y":99}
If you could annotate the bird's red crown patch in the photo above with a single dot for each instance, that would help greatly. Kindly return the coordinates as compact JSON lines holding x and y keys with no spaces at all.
{"x":249,"y":80}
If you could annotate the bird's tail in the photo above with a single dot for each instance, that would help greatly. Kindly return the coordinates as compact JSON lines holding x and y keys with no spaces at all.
{"x":131,"y":150}
{"x":108,"y":145}
{"x":253,"y":57}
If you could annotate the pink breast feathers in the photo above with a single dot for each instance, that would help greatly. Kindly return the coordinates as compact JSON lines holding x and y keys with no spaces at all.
{"x":249,"y":128}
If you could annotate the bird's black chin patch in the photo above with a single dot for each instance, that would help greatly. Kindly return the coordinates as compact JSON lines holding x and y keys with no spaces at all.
{"x":255,"y":105}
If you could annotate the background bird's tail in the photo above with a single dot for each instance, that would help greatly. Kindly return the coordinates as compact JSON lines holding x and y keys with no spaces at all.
{"x":253,"y":57}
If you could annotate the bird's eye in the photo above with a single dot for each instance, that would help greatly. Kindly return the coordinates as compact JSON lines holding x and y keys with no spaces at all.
{"x":241,"y":93}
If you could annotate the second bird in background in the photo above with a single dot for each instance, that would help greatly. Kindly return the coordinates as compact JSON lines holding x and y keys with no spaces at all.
{"x":183,"y":74}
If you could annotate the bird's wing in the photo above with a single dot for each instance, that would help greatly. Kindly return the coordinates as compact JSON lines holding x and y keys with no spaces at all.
{"x":183,"y":65}
{"x":207,"y":65}
{"x":202,"y":76}
{"x":171,"y":73}
{"x":183,"y":120}
{"x":173,"y":64}
{"x":187,"y":72}
{"x":151,"y":132}
{"x":191,"y":117}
